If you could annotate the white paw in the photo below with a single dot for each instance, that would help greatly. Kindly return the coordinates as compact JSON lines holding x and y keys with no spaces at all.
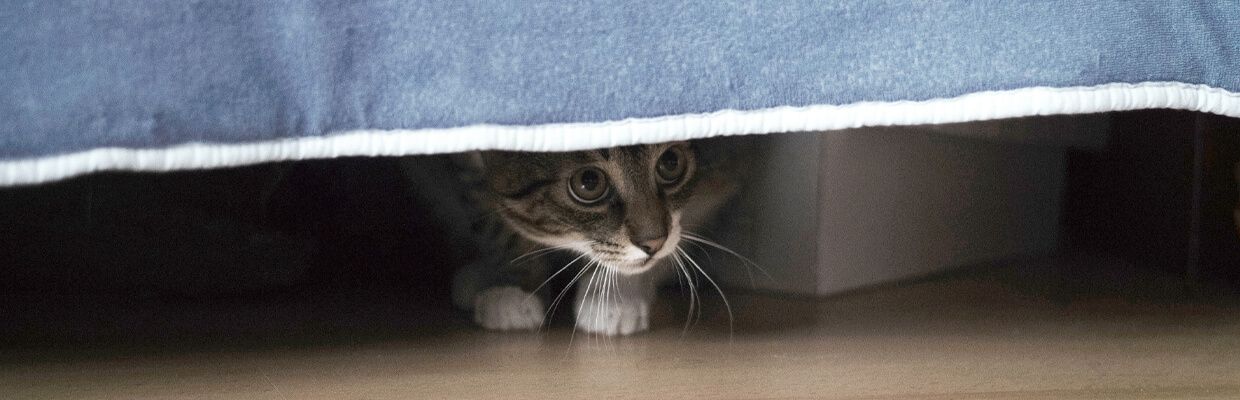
{"x":507,"y":308}
{"x":621,"y":318}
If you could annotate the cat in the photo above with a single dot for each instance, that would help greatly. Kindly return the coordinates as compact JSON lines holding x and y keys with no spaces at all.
{"x":621,"y":212}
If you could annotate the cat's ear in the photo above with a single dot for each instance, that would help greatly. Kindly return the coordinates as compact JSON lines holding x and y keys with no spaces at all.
{"x":470,"y":161}
{"x":509,"y":171}
{"x":493,"y":161}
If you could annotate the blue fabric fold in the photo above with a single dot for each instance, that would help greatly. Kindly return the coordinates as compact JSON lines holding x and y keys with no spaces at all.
{"x":80,"y":75}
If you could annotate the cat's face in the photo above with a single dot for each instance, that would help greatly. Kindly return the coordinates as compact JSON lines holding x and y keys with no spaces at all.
{"x":621,"y":207}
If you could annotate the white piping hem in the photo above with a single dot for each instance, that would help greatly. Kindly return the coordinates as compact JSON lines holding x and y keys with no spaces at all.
{"x":578,"y":136}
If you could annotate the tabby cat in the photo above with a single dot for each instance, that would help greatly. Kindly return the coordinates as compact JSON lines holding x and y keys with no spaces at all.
{"x":621,"y":213}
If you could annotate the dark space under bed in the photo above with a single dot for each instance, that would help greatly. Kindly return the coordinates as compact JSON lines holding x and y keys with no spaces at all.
{"x":336,"y":251}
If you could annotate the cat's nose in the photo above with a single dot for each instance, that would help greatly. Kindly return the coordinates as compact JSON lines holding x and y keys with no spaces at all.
{"x":651,"y":246}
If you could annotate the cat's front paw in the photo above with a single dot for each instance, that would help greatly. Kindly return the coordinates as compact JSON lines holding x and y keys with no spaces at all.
{"x":623,"y":318}
{"x":506,"y":308}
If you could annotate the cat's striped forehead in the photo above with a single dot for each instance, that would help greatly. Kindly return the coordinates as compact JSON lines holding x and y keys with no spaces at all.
{"x":627,"y":154}
{"x":511,"y":173}
{"x":628,"y":164}
{"x":628,"y":158}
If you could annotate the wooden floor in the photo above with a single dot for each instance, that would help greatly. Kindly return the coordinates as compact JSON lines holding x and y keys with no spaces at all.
{"x":1020,"y":333}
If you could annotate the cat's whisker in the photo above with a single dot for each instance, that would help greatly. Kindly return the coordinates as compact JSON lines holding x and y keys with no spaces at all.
{"x":545,"y":250}
{"x":609,"y":298}
{"x":555,"y":303}
{"x":549,"y":278}
{"x":585,"y":297}
{"x":693,"y":298}
{"x":694,"y":227}
{"x":563,"y":291}
{"x":530,"y":254}
{"x":711,"y":261}
{"x":599,"y":301}
{"x":609,"y":283}
{"x":614,"y":293}
{"x":697,"y":284}
{"x":680,"y":281}
{"x":722,"y":296}
{"x":692,"y":237}
{"x":677,"y":271}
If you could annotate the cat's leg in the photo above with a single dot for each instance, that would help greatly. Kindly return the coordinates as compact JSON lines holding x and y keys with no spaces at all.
{"x":496,"y":297}
{"x":611,"y":303}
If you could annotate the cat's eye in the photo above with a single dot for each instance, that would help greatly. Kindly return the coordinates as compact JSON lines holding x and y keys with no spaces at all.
{"x":671,"y":165}
{"x":588,"y":185}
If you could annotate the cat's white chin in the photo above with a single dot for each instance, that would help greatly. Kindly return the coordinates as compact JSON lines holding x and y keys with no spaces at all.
{"x":634,"y":267}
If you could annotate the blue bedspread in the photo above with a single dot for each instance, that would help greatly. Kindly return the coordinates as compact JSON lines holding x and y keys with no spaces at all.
{"x":145,"y":75}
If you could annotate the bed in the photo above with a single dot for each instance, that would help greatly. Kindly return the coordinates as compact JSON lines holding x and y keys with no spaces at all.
{"x":161,"y":85}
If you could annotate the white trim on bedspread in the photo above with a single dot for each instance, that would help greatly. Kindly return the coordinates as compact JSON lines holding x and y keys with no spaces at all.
{"x":576,"y":136}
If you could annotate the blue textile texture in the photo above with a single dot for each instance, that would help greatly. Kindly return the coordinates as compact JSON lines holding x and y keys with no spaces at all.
{"x":78,"y":75}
